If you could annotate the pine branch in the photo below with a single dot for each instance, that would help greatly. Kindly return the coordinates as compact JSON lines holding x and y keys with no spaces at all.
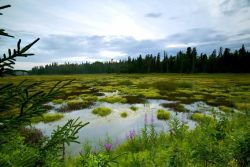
{"x":2,"y":33}
{"x":7,"y":62}
{"x":3,"y":7}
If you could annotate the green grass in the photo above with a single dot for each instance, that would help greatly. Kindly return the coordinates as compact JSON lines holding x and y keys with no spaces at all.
{"x":134,"y":108}
{"x":58,"y":101}
{"x":124,"y":114}
{"x":73,"y":105}
{"x":101,"y":111}
{"x":47,"y":117}
{"x":200,"y":117}
{"x":134,"y":99}
{"x":171,"y":85}
{"x":214,"y":143}
{"x":163,"y":115}
{"x":175,"y":106}
{"x":226,"y":109}
{"x":113,"y":99}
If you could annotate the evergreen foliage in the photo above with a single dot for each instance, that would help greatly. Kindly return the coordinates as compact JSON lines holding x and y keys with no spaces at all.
{"x":183,"y":62}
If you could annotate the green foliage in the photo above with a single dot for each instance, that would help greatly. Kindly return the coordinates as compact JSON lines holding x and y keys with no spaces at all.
{"x":134,"y":108}
{"x":200,"y":117}
{"x":163,"y":115}
{"x":175,"y":106}
{"x":182,"y":62}
{"x":113,"y":99}
{"x":19,"y":104}
{"x":226,"y":109}
{"x":58,"y":101}
{"x":124,"y":114}
{"x":134,"y":99}
{"x":17,"y":153}
{"x":101,"y":111}
{"x":48,"y":117}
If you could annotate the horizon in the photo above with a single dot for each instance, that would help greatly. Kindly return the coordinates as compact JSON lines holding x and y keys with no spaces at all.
{"x":97,"y":31}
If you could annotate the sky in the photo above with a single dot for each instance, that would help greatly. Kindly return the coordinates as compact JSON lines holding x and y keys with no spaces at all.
{"x":100,"y":30}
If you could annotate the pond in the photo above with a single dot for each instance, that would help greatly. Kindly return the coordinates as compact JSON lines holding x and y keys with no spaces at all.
{"x":116,"y":127}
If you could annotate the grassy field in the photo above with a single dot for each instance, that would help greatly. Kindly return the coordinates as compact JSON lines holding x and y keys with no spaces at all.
{"x":214,"y":142}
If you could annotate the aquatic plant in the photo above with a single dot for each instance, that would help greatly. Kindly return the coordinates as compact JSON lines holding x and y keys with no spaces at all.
{"x":134,"y":99}
{"x":47,"y":117}
{"x":175,"y":106}
{"x":200,"y":117}
{"x":101,"y":111}
{"x":163,"y":115}
{"x":113,"y":99}
{"x":124,"y":114}
{"x":134,"y":108}
{"x":58,"y":101}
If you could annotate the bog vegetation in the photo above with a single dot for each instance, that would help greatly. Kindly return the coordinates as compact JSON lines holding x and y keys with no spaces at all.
{"x":218,"y":139}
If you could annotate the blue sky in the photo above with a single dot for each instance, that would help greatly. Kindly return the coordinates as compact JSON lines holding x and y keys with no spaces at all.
{"x":101,"y":30}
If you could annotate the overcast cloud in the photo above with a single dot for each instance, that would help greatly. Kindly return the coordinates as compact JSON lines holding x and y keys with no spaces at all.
{"x":96,"y":30}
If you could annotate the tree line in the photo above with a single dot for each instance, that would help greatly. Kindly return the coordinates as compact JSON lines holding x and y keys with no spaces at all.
{"x":225,"y":61}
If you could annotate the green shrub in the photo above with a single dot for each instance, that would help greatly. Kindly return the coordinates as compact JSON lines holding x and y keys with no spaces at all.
{"x":101,"y":111}
{"x":113,"y":99}
{"x":124,"y":114}
{"x":163,"y":115}
{"x":134,"y":108}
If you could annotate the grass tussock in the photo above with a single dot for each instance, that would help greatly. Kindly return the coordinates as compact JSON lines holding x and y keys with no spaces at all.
{"x":163,"y":115}
{"x":113,"y":99}
{"x":226,"y":109}
{"x":175,"y":106}
{"x":101,"y":111}
{"x":134,"y":99}
{"x":48,"y":117}
{"x":73,"y":105}
{"x":171,"y":85}
{"x":200,"y":117}
{"x":134,"y":108}
{"x":124,"y":114}
{"x":58,"y":101}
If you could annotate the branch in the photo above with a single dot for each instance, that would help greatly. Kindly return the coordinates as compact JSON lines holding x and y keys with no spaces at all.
{"x":3,"y":7}
{"x":7,"y":62}
{"x":4,"y":33}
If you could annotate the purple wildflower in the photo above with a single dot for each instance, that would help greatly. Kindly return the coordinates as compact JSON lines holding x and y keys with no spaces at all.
{"x":131,"y":134}
{"x":107,"y":146}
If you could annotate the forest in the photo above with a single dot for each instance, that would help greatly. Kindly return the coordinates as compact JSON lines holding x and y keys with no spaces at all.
{"x":183,"y":62}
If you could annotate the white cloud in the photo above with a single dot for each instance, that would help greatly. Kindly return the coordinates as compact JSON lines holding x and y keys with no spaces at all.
{"x":111,"y":54}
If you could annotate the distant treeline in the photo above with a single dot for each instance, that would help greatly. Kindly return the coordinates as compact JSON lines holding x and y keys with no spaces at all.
{"x":224,"y":61}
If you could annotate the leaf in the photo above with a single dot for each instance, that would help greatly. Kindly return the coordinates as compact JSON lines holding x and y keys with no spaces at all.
{"x":29,"y":46}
